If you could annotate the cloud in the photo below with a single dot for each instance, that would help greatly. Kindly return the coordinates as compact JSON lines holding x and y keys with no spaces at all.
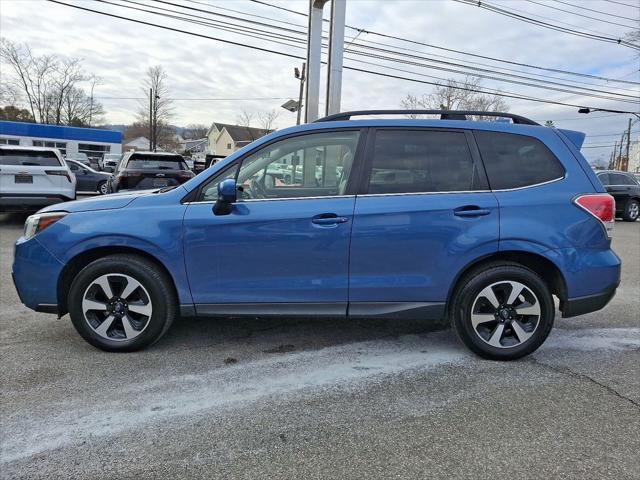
{"x":121,"y":51}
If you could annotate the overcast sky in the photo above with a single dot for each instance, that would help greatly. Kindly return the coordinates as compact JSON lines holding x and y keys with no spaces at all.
{"x":200,"y":69}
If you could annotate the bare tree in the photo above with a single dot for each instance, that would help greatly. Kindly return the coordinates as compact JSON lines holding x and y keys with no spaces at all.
{"x":45,"y":84}
{"x":267,"y":119}
{"x":634,"y":37}
{"x":456,"y":95}
{"x":157,"y":108}
{"x":68,"y":75}
{"x":245,"y":118}
{"x":79,"y":109}
{"x":195,"y":131}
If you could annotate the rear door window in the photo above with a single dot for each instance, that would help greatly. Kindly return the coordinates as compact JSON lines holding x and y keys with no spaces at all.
{"x":515,"y":161}
{"x":422,"y":161}
{"x":620,"y":179}
{"x":28,"y":158}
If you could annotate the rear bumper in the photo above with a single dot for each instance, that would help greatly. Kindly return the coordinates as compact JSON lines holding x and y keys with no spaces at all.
{"x":590,"y":303}
{"x":29,"y":202}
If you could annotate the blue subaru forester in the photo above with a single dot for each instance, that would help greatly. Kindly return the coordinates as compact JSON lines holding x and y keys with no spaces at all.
{"x":481,"y":222}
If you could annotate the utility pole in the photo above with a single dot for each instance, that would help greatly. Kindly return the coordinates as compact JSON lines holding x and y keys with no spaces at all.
{"x":619,"y":165}
{"x":91,"y":104}
{"x":151,"y":120}
{"x":626,"y":162}
{"x":301,"y":77}
{"x":612,"y":161}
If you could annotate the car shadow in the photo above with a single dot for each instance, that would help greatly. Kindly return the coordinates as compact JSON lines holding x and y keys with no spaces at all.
{"x":286,"y":334}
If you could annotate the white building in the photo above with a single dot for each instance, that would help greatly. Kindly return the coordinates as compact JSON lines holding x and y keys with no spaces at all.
{"x":225,"y":139}
{"x":94,"y":142}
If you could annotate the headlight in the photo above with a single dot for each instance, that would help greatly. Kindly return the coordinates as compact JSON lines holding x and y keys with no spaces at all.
{"x":38,"y":222}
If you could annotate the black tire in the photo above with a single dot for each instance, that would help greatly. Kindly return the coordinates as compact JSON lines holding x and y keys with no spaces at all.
{"x":103,"y":185}
{"x":158,"y":290}
{"x":469,"y":291}
{"x":631,"y":211}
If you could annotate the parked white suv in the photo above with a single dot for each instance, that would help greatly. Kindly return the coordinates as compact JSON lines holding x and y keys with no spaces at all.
{"x":33,"y":177}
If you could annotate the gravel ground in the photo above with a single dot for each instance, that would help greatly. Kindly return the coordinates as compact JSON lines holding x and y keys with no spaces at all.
{"x":320,"y":398}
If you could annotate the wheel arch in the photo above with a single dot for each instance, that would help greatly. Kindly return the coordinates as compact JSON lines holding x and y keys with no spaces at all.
{"x":548,"y":271}
{"x":78,"y":262}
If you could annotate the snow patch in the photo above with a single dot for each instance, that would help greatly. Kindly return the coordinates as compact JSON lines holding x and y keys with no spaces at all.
{"x":231,"y":387}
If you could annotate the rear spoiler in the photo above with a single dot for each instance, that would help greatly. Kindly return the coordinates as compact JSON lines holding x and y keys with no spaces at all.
{"x":577,"y":138}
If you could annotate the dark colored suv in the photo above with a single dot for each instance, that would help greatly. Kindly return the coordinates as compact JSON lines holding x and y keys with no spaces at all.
{"x":624,"y":187}
{"x":148,"y":170}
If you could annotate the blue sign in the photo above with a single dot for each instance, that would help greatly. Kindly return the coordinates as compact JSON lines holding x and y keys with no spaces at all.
{"x":59,"y":132}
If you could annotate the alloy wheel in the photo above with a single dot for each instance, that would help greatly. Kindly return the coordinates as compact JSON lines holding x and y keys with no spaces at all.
{"x":104,"y":189}
{"x":117,"y":307}
{"x":505,"y":314}
{"x":634,"y":210}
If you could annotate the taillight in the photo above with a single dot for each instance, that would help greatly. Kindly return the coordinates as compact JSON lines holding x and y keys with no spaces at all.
{"x":60,"y":173}
{"x":600,"y":205}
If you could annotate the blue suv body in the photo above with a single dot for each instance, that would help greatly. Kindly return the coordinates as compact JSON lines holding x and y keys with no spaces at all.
{"x":481,"y":222}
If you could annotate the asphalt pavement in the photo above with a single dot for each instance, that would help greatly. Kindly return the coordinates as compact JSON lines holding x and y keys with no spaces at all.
{"x":320,"y":399}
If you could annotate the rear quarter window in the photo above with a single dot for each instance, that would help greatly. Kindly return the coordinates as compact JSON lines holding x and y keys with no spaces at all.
{"x":29,"y":159}
{"x":604,"y":178}
{"x":515,"y":161}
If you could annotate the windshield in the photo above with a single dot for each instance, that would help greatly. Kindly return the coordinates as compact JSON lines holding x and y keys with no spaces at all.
{"x":157,"y":162}
{"x":26,"y":158}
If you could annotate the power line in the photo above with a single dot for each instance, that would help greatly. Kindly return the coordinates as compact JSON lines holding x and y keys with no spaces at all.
{"x":253,"y":47}
{"x":620,"y":3}
{"x":582,"y":7}
{"x":607,"y":134}
{"x":527,"y":19}
{"x":197,"y":99}
{"x":579,"y":14}
{"x":485,"y":57}
{"x":585,"y":117}
{"x":485,"y":73}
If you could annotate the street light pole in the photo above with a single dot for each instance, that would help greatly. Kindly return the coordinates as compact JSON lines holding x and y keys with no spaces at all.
{"x":302,"y":79}
{"x":151,"y":119}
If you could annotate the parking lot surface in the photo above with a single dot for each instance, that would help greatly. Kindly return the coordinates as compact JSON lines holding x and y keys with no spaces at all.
{"x":320,"y":399}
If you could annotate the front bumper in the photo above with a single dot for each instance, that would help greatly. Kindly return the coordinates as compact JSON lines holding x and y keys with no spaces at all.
{"x":35,"y":274}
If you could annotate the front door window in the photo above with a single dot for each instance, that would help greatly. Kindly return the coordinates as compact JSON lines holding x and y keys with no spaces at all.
{"x":311,"y":165}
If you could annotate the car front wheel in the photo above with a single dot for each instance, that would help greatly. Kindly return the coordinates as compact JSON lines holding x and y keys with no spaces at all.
{"x":103,"y":188}
{"x":121,"y":303}
{"x":503,"y":311}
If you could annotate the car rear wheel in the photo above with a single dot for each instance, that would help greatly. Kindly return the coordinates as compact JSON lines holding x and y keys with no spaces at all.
{"x":121,"y":303}
{"x":103,"y":188}
{"x":503,"y":311}
{"x":632,"y":211}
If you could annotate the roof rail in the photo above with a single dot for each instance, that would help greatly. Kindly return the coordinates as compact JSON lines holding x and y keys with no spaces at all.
{"x":444,"y":115}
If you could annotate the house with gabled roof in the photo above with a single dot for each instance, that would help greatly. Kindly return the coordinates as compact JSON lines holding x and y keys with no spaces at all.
{"x":225,"y":139}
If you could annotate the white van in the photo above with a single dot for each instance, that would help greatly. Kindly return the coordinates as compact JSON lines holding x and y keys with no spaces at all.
{"x":33,"y":177}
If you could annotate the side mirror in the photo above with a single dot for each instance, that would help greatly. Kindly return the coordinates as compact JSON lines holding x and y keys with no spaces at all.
{"x":227,"y":195}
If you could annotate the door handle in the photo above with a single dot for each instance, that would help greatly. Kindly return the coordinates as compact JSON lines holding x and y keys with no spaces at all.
{"x":471,"y":211}
{"x":328,"y":219}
